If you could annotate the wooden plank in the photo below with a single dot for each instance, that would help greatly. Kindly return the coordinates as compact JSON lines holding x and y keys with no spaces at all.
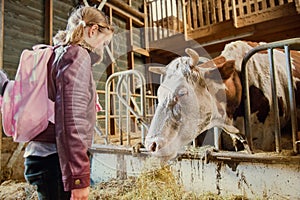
{"x":256,"y":9}
{"x":290,"y":28}
{"x":124,"y":14}
{"x":130,"y":54}
{"x":146,"y":27}
{"x":194,"y":14}
{"x":264,"y":4}
{"x":150,"y":22}
{"x":281,"y":2}
{"x":126,"y":8}
{"x":172,"y":14}
{"x":219,"y":31}
{"x":140,"y":50}
{"x":241,"y":8}
{"x":234,"y":12}
{"x":184,"y":8}
{"x":213,"y":11}
{"x":272,"y":3}
{"x":167,"y":18}
{"x":17,"y":35}
{"x":220,"y":10}
{"x":200,"y":13}
{"x":248,"y":6}
{"x":227,"y":11}
{"x":269,"y":14}
{"x":207,"y":13}
{"x":156,"y":5}
{"x":162,"y":22}
{"x":179,"y":2}
{"x":189,"y":16}
{"x":22,"y":12}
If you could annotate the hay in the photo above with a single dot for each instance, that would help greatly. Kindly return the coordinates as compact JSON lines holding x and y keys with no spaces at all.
{"x":156,"y":182}
{"x":159,"y":182}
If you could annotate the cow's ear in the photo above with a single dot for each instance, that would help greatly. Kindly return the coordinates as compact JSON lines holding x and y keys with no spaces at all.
{"x":194,"y":56}
{"x":226,"y":69}
{"x":158,"y":70}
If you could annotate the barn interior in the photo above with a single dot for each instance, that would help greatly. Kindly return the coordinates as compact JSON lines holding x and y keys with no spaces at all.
{"x":148,"y":33}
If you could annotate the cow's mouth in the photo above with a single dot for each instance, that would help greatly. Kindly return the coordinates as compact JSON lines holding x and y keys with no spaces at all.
{"x":164,"y":152}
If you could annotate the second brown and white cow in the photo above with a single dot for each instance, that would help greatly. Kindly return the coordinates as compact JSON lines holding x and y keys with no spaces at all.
{"x":195,"y":97}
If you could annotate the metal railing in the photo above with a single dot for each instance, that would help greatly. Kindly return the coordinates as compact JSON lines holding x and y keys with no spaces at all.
{"x":126,"y":99}
{"x":287,"y":45}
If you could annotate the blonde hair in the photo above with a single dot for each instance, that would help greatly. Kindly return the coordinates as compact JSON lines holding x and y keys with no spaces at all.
{"x":80,"y":18}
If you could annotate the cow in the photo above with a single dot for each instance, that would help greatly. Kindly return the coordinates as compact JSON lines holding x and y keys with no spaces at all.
{"x":196,"y":96}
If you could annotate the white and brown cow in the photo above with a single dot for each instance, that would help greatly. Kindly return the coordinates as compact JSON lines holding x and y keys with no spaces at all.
{"x":195,"y":97}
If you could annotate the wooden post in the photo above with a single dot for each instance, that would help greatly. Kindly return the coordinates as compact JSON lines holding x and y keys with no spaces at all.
{"x":48,"y":21}
{"x":1,"y":67}
{"x":184,"y":7}
{"x":297,"y":3}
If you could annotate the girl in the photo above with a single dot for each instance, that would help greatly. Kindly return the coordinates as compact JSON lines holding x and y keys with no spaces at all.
{"x":56,"y":161}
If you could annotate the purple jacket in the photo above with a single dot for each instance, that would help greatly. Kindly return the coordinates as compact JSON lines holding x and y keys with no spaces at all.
{"x":71,"y":86}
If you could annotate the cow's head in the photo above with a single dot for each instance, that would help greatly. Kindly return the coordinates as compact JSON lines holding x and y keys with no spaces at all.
{"x":192,"y":99}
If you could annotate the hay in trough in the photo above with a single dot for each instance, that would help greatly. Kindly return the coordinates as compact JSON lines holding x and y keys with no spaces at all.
{"x":156,"y":183}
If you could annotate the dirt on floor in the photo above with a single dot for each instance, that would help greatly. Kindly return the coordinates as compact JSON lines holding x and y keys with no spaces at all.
{"x":112,"y":190}
{"x":158,"y":184}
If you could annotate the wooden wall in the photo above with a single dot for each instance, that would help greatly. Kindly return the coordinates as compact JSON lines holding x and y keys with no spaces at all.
{"x":25,"y":25}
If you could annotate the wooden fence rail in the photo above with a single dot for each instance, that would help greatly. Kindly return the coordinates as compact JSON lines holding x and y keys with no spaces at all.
{"x":166,"y":17}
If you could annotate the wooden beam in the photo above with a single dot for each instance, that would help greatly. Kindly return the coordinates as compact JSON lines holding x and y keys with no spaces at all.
{"x":218,"y":31}
{"x":125,"y":7}
{"x":124,"y":14}
{"x":48,"y":21}
{"x":139,"y":50}
{"x":265,"y":15}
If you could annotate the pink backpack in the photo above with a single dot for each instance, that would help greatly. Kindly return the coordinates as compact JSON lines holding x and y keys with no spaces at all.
{"x":26,"y":109}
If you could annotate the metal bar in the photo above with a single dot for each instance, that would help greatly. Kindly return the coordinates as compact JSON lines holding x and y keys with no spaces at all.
{"x":246,"y":98}
{"x":275,"y":101}
{"x":107,"y":106}
{"x":127,"y":80}
{"x":143,"y":100}
{"x":123,"y":101}
{"x":292,"y":100}
{"x":293,"y":43}
{"x":120,"y":111}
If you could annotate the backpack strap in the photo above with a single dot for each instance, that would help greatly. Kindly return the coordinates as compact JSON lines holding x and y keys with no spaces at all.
{"x":41,"y":46}
{"x":3,"y":88}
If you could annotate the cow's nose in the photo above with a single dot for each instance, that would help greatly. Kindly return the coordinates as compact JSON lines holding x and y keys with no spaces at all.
{"x":153,"y":147}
